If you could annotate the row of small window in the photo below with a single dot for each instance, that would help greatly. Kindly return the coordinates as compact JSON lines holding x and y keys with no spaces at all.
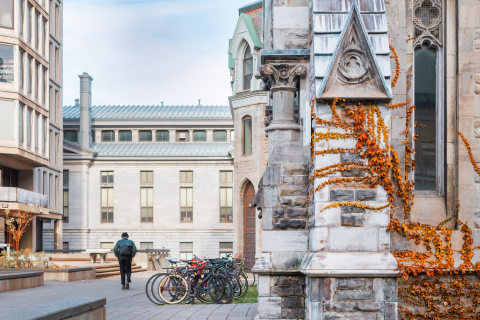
{"x":30,"y":119}
{"x":186,"y":248}
{"x":147,"y":135}
{"x":146,"y":197}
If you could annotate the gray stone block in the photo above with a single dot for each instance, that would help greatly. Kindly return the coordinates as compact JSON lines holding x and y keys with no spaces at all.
{"x":301,"y":180}
{"x":290,"y":224}
{"x":288,"y":280}
{"x":288,"y":180}
{"x":297,"y":212}
{"x":269,"y":307}
{"x":365,"y":195}
{"x":353,"y":220}
{"x":385,"y":289}
{"x":350,"y":283}
{"x":370,"y":306}
{"x":296,"y":169}
{"x":334,"y":306}
{"x":294,"y":191}
{"x":391,"y":311}
{"x":279,"y":213}
{"x":354,"y":295}
{"x":349,"y":316}
{"x":287,"y":291}
{"x":267,"y":219}
{"x":293,"y":302}
{"x":352,"y":209}
{"x":341,"y":195}
{"x":349,"y":157}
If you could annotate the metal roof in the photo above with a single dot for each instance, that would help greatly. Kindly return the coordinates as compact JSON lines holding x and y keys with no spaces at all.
{"x":143,"y":112}
{"x":251,"y":6}
{"x":143,"y":149}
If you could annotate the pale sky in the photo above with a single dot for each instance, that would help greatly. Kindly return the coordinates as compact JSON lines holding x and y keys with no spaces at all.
{"x":142,"y":52}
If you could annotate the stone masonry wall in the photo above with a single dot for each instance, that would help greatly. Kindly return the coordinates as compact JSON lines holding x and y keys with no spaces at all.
{"x":352,"y":298}
{"x":281,"y":297}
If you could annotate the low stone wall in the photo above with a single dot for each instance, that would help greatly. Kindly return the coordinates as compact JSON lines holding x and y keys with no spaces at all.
{"x":70,"y":274}
{"x":17,"y":280}
{"x":77,"y":257}
{"x":80,"y":308}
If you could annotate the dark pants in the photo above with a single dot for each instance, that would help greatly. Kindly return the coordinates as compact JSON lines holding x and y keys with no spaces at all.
{"x":125,"y":268}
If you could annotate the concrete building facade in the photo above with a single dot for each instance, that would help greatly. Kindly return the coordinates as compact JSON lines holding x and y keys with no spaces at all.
{"x":164,"y":174}
{"x":31,"y":125}
{"x":321,"y":261}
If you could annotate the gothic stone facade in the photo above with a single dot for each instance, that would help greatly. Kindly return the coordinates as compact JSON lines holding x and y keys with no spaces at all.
{"x":336,"y":263}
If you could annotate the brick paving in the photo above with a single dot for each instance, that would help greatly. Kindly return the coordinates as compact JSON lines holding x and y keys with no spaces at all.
{"x":123,"y":304}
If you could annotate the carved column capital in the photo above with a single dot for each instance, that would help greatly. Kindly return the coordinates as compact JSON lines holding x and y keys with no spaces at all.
{"x":281,"y":76}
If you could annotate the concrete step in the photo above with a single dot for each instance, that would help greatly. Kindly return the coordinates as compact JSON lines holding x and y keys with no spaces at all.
{"x":117,"y":273}
{"x":103,"y":270}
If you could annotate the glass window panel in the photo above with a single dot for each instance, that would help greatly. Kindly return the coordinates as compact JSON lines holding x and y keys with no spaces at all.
{"x":150,"y":197}
{"x":223,"y":176}
{"x":145,"y":135}
{"x":232,"y":135}
{"x":229,"y":197}
{"x":22,"y":12}
{"x":189,"y":197}
{"x":20,"y":123}
{"x":162,"y":135}
{"x":229,"y":176}
{"x":104,"y":197}
{"x":186,"y":245}
{"x":6,"y":13}
{"x":104,"y":177}
{"x":189,"y":176}
{"x":110,"y":197}
{"x":230,"y":214}
{"x":146,"y":245}
{"x":108,"y":135}
{"x":247,"y":136}
{"x":183,"y":176}
{"x":425,"y":114}
{"x":183,"y":197}
{"x":6,"y":63}
{"x":22,"y":69}
{"x":110,"y":177}
{"x":143,"y":177}
{"x":150,"y":215}
{"x":223,"y":197}
{"x":144,"y":214}
{"x":143,"y":197}
{"x":199,"y":135}
{"x":219,"y":135}
{"x":125,"y":135}
{"x":29,"y":126}
{"x":71,"y":135}
{"x":106,"y":245}
{"x":226,"y":245}
{"x":150,"y":176}
{"x":65,"y":198}
{"x":66,"y":178}
{"x":93,"y":136}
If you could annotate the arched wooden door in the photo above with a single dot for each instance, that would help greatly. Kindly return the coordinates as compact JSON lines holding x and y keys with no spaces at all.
{"x":249,"y":226}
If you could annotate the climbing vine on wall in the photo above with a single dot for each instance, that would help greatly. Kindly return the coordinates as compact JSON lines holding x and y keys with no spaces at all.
{"x":436,"y":281}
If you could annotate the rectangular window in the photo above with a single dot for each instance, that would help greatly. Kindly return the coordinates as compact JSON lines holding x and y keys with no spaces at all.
{"x":37,"y":79}
{"x":44,"y":38}
{"x":93,"y":136}
{"x":57,"y":64}
{"x":182,"y":136}
{"x":57,"y":105}
{"x":199,"y":135}
{"x":163,"y":135}
{"x":29,"y":127}
{"x":6,"y":69}
{"x":145,"y":135}
{"x":186,"y":176}
{"x":37,"y":130}
{"x":65,"y":206}
{"x":247,"y":136}
{"x":29,"y":22}
{"x":146,"y":177}
{"x":37,"y":31}
{"x":29,"y":74}
{"x":108,"y":135}
{"x":44,"y":133}
{"x":226,"y":249}
{"x":125,"y":135}
{"x":107,"y":205}
{"x":22,"y":16}
{"x":20,"y":123}
{"x":226,"y":176}
{"x":146,"y":203}
{"x":146,"y":245}
{"x":107,"y":177}
{"x":71,"y":135}
{"x":22,"y":69}
{"x":232,"y":135}
{"x":6,"y":14}
{"x":107,"y":245}
{"x":66,"y":178}
{"x":66,"y":246}
{"x":186,"y":250}
{"x":186,"y":204}
{"x":226,"y":204}
{"x":45,"y":81}
{"x":219,"y":135}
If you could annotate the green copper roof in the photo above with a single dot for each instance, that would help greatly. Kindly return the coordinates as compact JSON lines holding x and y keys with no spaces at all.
{"x":251,"y":6}
{"x":251,"y":30}
{"x":231,"y":63}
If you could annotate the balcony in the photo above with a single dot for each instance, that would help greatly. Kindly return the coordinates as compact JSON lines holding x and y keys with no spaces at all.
{"x":23,"y":200}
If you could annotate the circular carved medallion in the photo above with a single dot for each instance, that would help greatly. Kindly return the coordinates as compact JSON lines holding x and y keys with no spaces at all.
{"x":353,"y":66}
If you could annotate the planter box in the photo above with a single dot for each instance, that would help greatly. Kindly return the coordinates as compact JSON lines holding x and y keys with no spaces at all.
{"x":11,"y":280}
{"x":64,"y":274}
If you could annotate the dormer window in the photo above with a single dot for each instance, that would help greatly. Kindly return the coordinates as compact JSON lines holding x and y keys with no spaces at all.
{"x":247,"y":69}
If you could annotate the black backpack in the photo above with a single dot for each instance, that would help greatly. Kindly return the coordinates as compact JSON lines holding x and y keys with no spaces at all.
{"x":125,"y":250}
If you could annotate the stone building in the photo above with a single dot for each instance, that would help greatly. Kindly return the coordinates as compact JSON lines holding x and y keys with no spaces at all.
{"x":248,"y":104}
{"x":164,"y":174}
{"x":31,"y":122}
{"x":334,"y":262}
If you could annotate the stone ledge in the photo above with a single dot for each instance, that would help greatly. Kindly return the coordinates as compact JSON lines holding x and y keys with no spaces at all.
{"x":58,"y":310}
{"x":350,"y":264}
{"x":4,"y":274}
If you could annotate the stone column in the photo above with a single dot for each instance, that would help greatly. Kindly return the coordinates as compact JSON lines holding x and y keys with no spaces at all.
{"x":282,"y":198}
{"x":58,"y":235}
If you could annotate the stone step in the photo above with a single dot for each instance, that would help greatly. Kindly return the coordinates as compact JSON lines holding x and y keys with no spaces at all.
{"x":117,"y":273}
{"x":103,"y":270}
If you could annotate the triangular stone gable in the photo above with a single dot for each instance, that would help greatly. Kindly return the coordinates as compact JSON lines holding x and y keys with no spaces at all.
{"x":353,"y":72}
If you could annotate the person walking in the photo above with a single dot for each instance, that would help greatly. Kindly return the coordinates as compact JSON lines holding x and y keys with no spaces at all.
{"x":125,"y":250}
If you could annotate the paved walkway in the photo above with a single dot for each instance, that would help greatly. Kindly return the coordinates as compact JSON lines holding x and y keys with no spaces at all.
{"x":123,"y":304}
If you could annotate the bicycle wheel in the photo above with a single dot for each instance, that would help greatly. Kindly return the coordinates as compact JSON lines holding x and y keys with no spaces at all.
{"x":216,"y":288}
{"x":243,"y":282}
{"x":250,"y":276}
{"x":202,"y":293}
{"x":149,"y":289}
{"x":227,"y":296}
{"x":173,"y":289}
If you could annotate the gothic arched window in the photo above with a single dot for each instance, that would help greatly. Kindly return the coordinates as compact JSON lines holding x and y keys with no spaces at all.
{"x":247,"y":69}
